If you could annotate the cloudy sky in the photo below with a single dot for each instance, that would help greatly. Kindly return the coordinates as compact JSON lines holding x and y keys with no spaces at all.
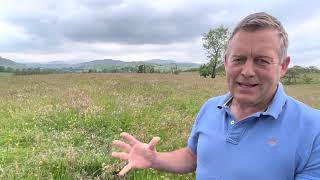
{"x":132,"y":30}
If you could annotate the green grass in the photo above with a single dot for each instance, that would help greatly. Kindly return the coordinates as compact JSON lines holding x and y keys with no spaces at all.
{"x":61,"y":126}
{"x":5,"y":74}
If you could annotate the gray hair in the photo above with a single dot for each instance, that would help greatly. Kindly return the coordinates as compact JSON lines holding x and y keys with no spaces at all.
{"x":259,"y":21}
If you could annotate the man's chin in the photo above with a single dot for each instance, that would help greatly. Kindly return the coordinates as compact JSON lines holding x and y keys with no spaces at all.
{"x":245,"y":100}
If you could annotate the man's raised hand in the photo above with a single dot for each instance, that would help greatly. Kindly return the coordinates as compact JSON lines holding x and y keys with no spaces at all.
{"x":139,"y":155}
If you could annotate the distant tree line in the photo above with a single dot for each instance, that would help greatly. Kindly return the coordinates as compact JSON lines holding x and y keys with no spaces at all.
{"x":6,"y":69}
{"x":142,"y":68}
{"x":111,"y":70}
{"x":299,"y":74}
{"x":29,"y":71}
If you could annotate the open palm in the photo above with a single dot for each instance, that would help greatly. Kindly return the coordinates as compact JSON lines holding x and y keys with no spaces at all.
{"x":139,"y":155}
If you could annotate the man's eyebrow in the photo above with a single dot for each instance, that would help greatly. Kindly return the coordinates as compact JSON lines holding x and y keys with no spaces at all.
{"x":234,"y":55}
{"x":265,"y":57}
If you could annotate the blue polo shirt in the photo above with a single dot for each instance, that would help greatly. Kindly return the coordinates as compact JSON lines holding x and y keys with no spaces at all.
{"x":282,"y":143}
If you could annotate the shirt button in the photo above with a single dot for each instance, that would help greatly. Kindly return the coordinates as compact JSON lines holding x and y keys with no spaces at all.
{"x":232,"y":122}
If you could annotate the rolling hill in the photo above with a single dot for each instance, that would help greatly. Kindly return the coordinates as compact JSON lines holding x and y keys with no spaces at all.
{"x":100,"y":65}
{"x":9,"y":63}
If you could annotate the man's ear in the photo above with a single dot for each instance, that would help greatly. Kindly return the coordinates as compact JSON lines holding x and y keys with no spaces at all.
{"x":225,"y":63}
{"x":225,"y":59}
{"x":285,"y":66}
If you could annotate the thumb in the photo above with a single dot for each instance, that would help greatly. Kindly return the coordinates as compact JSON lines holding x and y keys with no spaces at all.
{"x":152,"y":144}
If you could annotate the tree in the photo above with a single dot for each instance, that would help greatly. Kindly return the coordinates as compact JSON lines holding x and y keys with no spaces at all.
{"x":142,"y":68}
{"x":291,"y":74}
{"x":306,"y":79}
{"x":92,"y":71}
{"x":151,"y":69}
{"x":204,"y":70}
{"x":174,"y":69}
{"x":2,"y":69}
{"x":215,"y":43}
{"x":9,"y":69}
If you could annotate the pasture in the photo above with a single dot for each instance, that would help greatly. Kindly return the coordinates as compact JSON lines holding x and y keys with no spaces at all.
{"x":60,"y":126}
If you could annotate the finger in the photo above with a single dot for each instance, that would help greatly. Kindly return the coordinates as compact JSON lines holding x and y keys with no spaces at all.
{"x":131,"y":140}
{"x":120,"y":155}
{"x":124,"y":170}
{"x":122,"y":145}
{"x":153,"y":143}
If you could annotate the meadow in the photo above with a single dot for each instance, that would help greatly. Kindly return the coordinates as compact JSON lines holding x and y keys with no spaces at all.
{"x":60,"y":126}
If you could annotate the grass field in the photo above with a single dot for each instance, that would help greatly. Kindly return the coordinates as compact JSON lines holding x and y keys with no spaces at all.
{"x":61,"y":126}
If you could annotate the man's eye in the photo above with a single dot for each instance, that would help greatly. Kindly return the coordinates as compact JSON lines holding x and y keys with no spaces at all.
{"x":263,"y":62}
{"x":238,"y":60}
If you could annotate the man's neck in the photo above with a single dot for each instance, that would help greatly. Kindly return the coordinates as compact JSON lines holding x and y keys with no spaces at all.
{"x":241,"y":111}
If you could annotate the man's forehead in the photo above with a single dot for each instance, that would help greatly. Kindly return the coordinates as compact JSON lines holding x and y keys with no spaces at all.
{"x":258,"y":41}
{"x":261,"y":35}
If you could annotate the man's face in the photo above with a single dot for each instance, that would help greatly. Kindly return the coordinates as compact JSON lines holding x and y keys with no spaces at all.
{"x":253,"y":66}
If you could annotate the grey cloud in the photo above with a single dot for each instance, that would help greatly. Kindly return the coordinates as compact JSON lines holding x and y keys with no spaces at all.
{"x":136,"y":28}
{"x":99,"y":3}
{"x":135,"y":24}
{"x":294,"y":12}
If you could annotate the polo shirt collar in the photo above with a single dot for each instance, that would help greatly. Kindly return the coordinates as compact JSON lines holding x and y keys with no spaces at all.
{"x":278,"y":102}
{"x":274,"y":109}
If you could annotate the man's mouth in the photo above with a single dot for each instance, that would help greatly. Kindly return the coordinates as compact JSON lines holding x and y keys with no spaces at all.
{"x":247,"y":85}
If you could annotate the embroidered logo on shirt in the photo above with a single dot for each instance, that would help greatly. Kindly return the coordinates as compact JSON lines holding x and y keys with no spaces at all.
{"x":272,"y":141}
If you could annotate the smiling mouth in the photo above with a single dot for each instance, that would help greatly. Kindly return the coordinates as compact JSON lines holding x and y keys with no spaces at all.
{"x":247,"y":85}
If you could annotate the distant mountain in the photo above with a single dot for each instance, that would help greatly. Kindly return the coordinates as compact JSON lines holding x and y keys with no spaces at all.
{"x":57,"y":62}
{"x":110,"y":64}
{"x":98,"y":63}
{"x":9,"y":63}
{"x":118,"y":64}
{"x":160,"y":61}
{"x":47,"y":65}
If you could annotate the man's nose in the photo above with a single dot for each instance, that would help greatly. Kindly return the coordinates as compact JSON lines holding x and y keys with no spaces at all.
{"x":248,"y":69}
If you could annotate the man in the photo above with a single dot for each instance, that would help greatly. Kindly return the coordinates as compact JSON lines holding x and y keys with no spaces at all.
{"x":255,"y":131}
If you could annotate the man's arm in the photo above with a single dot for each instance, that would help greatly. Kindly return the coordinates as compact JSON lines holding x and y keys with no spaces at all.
{"x":179,"y":161}
{"x":141,"y":156}
{"x":311,"y":169}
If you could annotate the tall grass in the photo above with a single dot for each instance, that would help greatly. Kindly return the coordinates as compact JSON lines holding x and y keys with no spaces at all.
{"x":62,"y":126}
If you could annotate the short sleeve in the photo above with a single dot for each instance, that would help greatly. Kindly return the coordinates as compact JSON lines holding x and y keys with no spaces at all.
{"x":311,"y":170}
{"x":193,"y":138}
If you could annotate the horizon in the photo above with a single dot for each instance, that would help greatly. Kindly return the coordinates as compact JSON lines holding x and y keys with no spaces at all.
{"x":86,"y":61}
{"x":42,"y":31}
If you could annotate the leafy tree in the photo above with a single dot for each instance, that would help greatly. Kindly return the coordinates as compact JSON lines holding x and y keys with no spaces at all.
{"x":307,"y":79}
{"x":204,"y":70}
{"x":312,"y":69}
{"x":2,"y":69}
{"x":215,"y":43}
{"x":92,"y":71}
{"x":151,"y":69}
{"x":9,"y":69}
{"x":142,"y":68}
{"x":291,"y":75}
{"x":174,"y":69}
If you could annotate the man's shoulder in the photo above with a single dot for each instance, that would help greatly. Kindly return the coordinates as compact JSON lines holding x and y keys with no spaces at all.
{"x":300,"y":107}
{"x":306,"y":113}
